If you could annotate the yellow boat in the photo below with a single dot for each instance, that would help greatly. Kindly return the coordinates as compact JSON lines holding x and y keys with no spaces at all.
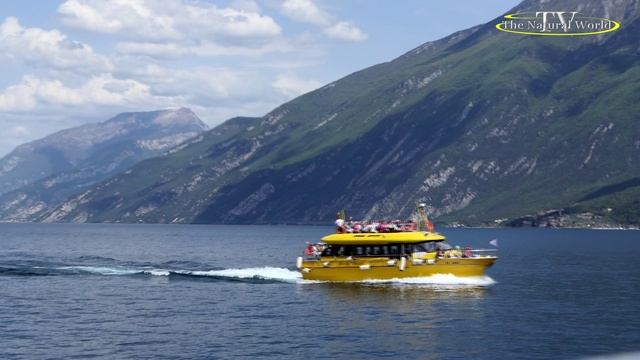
{"x":347,"y":257}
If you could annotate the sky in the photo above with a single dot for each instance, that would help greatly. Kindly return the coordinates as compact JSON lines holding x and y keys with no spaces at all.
{"x":69,"y":62}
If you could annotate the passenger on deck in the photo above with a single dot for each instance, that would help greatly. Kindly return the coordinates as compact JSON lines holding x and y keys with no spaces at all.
{"x":318,"y":249}
{"x":340,"y":228}
{"x":349,"y":226}
{"x":382,"y":226}
{"x":467,"y":252}
{"x":368,"y":227}
{"x":456,"y":253}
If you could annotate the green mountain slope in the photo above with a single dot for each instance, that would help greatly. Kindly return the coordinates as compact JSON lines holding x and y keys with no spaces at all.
{"x":482,"y":125}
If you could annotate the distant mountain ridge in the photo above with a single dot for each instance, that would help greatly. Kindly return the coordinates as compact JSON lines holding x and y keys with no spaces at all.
{"x":42,"y":173}
{"x":486,"y":127}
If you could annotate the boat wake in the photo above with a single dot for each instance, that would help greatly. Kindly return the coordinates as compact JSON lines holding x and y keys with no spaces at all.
{"x":98,"y":270}
{"x":263,"y":274}
{"x":440,"y":280}
{"x":255,"y":274}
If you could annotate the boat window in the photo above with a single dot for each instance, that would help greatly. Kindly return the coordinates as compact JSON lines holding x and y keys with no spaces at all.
{"x":430,"y":246}
{"x":443,"y":246}
{"x":328,"y":251}
{"x":408,"y":248}
{"x":371,"y":250}
{"x":425,"y":247}
{"x":419,"y":248}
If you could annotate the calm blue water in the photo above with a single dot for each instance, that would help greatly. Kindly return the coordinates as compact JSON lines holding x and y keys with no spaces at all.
{"x":160,"y":291}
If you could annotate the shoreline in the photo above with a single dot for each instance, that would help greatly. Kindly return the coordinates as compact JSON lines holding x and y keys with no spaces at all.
{"x":448,"y":226}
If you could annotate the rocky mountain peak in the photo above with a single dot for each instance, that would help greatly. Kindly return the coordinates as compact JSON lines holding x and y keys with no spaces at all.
{"x":182,"y":118}
{"x":65,"y":150}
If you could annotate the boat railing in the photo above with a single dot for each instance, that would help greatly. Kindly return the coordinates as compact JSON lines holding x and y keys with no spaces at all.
{"x":439,"y":255}
{"x":316,"y":251}
{"x":483,"y":252}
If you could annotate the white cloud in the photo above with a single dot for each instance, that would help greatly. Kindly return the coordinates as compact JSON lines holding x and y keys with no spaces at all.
{"x":166,"y":20}
{"x":199,"y":85}
{"x":292,"y":85}
{"x":218,"y":93}
{"x":175,"y":28}
{"x":34,"y":93}
{"x":19,"y":131}
{"x":205,"y":49}
{"x":47,"y":48}
{"x":28,"y":90}
{"x":245,"y":5}
{"x":18,"y":97}
{"x":77,"y":14}
{"x":344,"y":30}
{"x":306,"y":11}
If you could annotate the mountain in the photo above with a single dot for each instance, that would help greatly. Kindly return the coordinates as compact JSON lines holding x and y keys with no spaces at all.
{"x":38,"y":175}
{"x":186,"y":170}
{"x":485,"y":126}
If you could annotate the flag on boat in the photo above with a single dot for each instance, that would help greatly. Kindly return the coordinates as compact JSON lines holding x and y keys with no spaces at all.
{"x":494,"y":242}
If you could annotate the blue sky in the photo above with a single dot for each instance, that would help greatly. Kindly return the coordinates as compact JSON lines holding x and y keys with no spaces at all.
{"x":69,"y":62}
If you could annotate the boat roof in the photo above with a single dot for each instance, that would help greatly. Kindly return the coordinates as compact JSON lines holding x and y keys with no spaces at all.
{"x":407,"y":237}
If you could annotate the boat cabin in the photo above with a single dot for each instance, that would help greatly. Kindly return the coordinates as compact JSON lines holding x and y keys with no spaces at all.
{"x":393,"y":250}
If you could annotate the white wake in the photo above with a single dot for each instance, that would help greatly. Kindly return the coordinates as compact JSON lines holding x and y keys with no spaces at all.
{"x":101,"y":270}
{"x":439,"y":280}
{"x":289,"y":276}
{"x":264,"y":273}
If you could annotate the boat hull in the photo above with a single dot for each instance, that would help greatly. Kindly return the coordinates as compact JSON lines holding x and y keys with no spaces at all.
{"x":349,"y":270}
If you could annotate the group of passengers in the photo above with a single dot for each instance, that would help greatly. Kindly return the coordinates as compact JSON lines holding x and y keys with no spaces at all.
{"x":382,"y":226}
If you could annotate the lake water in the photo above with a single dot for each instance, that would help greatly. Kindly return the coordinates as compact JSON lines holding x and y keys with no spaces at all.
{"x":193,"y":292}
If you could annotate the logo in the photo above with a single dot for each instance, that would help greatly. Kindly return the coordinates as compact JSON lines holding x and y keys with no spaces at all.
{"x":556,"y":23}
